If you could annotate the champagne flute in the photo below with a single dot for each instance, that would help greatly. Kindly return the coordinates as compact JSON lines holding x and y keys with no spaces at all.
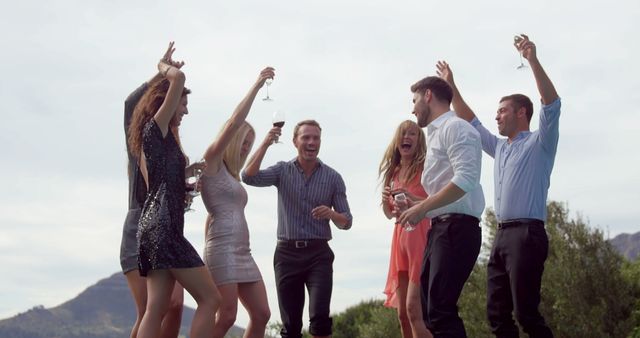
{"x":516,"y":40}
{"x":278,"y":120}
{"x":401,"y":197}
{"x":268,"y":83}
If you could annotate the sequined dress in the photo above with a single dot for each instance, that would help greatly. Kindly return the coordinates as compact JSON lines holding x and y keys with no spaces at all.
{"x":161,"y":241}
{"x":227,"y":253}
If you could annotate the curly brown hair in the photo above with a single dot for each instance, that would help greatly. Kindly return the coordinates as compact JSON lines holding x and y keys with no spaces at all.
{"x":144,"y":112}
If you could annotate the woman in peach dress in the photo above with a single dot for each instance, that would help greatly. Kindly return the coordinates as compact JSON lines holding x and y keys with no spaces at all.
{"x":401,"y":171}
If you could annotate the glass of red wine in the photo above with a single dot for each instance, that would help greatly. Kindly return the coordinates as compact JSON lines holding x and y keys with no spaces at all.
{"x":278,"y":120}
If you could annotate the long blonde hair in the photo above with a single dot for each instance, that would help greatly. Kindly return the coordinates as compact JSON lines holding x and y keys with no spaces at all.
{"x":231,"y":156}
{"x":391,"y":159}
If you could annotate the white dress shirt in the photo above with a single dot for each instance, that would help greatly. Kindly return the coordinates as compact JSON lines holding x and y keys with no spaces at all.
{"x":454,"y":154}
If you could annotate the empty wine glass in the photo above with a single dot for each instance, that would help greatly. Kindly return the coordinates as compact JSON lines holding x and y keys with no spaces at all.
{"x":268,"y":83}
{"x":516,"y":40}
{"x":278,"y":120}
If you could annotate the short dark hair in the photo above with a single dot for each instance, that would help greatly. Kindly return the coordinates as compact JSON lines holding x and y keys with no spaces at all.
{"x":439,"y":87}
{"x":519,"y":101}
{"x":305,"y":122}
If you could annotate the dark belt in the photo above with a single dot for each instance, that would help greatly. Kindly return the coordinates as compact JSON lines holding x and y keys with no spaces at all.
{"x":453,"y":217}
{"x":519,"y":221}
{"x":301,"y":243}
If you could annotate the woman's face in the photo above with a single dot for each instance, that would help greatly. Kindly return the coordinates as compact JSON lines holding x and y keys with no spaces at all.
{"x":181,"y":111}
{"x":247,"y":144}
{"x":408,"y":142}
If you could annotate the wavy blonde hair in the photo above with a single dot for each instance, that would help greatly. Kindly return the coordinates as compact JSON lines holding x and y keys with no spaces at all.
{"x":391,"y":159}
{"x":231,"y":157}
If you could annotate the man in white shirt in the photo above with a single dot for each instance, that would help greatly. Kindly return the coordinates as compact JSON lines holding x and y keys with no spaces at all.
{"x":451,"y":178}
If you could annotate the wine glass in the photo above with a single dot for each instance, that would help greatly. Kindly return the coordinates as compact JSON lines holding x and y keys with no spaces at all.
{"x":401,"y":197}
{"x":516,"y":40}
{"x":192,"y":189}
{"x":278,"y":120}
{"x":268,"y":83}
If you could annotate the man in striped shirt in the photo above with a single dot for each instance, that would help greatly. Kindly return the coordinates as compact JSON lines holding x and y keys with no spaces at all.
{"x":310,"y":193}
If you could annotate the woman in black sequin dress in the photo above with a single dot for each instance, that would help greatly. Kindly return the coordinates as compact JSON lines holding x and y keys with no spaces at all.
{"x":164,"y":253}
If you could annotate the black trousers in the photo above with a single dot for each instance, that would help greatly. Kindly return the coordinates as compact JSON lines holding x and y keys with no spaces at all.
{"x":452,"y":250}
{"x":298,"y":264}
{"x":514,"y":275}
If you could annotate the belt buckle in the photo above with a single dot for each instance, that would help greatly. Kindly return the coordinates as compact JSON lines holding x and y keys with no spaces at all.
{"x":301,"y":244}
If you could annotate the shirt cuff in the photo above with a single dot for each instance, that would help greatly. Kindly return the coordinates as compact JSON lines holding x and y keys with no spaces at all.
{"x":475,"y":122}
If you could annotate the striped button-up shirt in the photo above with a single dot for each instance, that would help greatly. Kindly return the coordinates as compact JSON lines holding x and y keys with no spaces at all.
{"x":298,"y":195}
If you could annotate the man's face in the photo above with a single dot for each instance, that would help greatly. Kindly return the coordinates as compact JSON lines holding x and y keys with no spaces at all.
{"x":181,"y":111}
{"x":506,"y":116}
{"x":308,"y":142}
{"x":421,"y":108}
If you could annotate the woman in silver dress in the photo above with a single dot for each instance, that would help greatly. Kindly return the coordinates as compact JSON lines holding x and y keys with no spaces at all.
{"x":227,"y":253}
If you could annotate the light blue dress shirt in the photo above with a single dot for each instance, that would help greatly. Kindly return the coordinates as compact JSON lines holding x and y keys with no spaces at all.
{"x":522,"y":168}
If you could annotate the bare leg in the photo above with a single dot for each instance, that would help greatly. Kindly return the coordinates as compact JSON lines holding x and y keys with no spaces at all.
{"x":254,"y":298}
{"x":199,"y":284}
{"x":401,"y":293}
{"x":160,"y":285}
{"x":172,"y":319}
{"x":226,"y":315}
{"x":138,"y":288}
{"x":414,"y":311}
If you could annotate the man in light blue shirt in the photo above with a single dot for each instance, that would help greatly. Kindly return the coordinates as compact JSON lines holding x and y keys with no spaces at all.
{"x":523,"y":164}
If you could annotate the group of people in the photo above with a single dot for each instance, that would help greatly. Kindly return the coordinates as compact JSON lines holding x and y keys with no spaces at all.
{"x":440,"y":175}
{"x":158,"y":261}
{"x":436,"y":240}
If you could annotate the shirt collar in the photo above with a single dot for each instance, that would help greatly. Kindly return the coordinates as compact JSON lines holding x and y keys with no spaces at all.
{"x":294,"y":161}
{"x":435,"y":124}
{"x":521,"y":135}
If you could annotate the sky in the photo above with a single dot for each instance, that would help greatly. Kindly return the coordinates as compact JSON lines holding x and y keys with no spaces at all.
{"x":67,"y":67}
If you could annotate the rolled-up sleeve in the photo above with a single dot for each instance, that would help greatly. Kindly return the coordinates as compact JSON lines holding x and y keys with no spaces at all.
{"x":266,"y":177}
{"x":465,"y":154}
{"x":340,"y":203}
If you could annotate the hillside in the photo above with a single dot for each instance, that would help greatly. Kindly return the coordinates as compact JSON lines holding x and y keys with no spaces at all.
{"x":103,"y":310}
{"x":628,"y":245}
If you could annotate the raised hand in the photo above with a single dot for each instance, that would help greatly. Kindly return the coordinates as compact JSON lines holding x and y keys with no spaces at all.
{"x":272,"y":136}
{"x":444,"y":72}
{"x":267,"y":73}
{"x":168,"y":54}
{"x":526,"y":47}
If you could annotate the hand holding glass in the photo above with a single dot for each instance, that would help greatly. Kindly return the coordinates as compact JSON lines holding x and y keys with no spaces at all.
{"x":516,"y":40}
{"x":401,"y":202}
{"x":192,"y":189}
{"x":268,"y":83}
{"x":278,"y":120}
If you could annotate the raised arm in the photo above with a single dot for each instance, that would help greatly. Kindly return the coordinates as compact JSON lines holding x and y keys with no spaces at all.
{"x":213,"y":155}
{"x":171,"y":101}
{"x":253,"y":167}
{"x":461,"y":108}
{"x":135,"y":96}
{"x":546,"y":89}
